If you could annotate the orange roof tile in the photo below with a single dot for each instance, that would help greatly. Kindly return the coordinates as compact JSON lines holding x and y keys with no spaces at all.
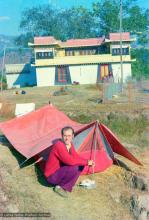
{"x":49,"y":40}
{"x":69,"y":43}
{"x":44,"y":40}
{"x":116,"y":36}
{"x":83,"y":42}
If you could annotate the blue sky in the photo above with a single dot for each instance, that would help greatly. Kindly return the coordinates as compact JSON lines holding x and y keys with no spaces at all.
{"x":10,"y":10}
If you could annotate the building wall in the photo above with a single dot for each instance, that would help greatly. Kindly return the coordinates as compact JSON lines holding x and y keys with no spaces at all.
{"x":117,"y":72}
{"x":21,"y":79}
{"x":45,"y":76}
{"x":84,"y":74}
{"x":60,"y":52}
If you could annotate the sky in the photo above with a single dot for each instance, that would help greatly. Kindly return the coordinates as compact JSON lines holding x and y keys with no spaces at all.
{"x":10,"y":11}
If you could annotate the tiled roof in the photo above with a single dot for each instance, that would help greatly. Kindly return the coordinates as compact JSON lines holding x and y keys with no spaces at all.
{"x":49,"y":40}
{"x":83,"y":42}
{"x":69,"y":43}
{"x":116,"y":36}
{"x":44,"y":40}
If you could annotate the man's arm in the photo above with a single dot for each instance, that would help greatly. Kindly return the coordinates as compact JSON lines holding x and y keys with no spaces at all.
{"x":64,"y":156}
{"x":76,"y":155}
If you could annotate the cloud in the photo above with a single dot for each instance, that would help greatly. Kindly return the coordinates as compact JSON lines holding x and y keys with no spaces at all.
{"x":4,"y":18}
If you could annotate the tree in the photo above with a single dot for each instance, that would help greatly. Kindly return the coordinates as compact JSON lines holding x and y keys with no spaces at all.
{"x":23,"y":39}
{"x":62,"y":24}
{"x":135,"y":19}
{"x":39,"y":20}
{"x":106,"y":14}
{"x":80,"y":22}
{"x":140,"y":68}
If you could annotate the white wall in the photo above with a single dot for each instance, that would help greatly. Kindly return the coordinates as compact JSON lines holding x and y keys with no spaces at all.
{"x":21,"y":80}
{"x":13,"y":78}
{"x":117,"y":72}
{"x":45,"y":76}
{"x":84,"y":74}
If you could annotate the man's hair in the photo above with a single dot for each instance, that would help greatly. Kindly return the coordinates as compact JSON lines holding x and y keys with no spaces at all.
{"x":67,"y":128}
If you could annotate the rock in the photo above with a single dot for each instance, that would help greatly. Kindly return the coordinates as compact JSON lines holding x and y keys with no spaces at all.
{"x":140,"y":206}
{"x":140,"y":182}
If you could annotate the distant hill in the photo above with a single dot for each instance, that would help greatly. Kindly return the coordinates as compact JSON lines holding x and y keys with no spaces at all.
{"x":6,"y":41}
{"x":13,"y":55}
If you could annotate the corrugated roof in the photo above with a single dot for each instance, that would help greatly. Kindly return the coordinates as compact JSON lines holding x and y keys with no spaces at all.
{"x":116,"y":36}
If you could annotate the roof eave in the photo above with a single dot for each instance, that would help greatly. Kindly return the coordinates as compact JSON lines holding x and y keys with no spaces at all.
{"x":81,"y":46}
{"x":38,"y":45}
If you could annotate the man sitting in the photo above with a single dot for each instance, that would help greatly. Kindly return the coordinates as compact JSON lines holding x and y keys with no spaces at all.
{"x":64,"y":165}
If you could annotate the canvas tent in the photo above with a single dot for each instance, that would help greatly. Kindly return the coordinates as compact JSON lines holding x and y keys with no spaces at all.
{"x":33,"y":135}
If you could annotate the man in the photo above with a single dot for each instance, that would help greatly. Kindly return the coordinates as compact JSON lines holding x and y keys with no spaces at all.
{"x":64,"y":165}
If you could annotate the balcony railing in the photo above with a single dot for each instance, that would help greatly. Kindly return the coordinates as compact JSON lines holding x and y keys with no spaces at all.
{"x":83,"y":59}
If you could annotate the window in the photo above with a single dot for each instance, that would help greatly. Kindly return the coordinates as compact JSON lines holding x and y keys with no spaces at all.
{"x":69,"y":52}
{"x":104,"y":71}
{"x":125,"y":51}
{"x":117,"y":51}
{"x":81,"y":52}
{"x":87,"y":52}
{"x":44,"y":55}
{"x":62,"y":74}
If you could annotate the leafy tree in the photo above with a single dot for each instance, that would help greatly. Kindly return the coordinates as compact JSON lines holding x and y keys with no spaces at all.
{"x":23,"y":39}
{"x":140,"y":68}
{"x":39,"y":20}
{"x":80,"y":22}
{"x":107,"y":15}
{"x":134,"y":18}
{"x":62,"y":24}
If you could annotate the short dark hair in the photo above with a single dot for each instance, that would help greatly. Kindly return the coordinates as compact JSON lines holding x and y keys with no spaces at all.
{"x":67,"y":128}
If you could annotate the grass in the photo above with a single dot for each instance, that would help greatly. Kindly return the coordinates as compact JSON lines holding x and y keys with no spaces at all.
{"x":27,"y":190}
{"x":7,"y":110}
{"x":127,"y":127}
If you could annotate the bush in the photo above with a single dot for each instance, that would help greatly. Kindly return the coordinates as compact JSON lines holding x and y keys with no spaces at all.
{"x":3,"y":86}
{"x":4,"y":83}
{"x":126,"y":126}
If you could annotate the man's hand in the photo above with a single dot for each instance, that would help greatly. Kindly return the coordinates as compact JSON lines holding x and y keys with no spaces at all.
{"x":91,"y":163}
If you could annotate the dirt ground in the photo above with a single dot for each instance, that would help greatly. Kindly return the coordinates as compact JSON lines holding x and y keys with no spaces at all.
{"x":25,"y":190}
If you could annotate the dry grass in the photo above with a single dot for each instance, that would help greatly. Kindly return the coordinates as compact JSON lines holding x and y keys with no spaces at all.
{"x":27,"y":190}
{"x":7,"y":110}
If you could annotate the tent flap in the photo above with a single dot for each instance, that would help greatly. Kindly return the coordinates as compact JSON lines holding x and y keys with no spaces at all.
{"x":116,"y":146}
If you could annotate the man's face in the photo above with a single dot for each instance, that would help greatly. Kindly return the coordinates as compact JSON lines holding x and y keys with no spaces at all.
{"x":67,"y":136}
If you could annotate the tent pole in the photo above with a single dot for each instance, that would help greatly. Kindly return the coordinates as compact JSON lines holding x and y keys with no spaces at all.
{"x":19,"y":165}
{"x":95,"y":146}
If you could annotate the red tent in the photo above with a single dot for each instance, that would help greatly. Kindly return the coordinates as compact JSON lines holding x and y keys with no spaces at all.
{"x":34,"y":133}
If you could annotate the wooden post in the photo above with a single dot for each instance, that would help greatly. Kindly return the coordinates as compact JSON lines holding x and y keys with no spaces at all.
{"x":129,"y":93}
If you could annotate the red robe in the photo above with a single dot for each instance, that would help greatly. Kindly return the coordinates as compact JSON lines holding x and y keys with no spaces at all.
{"x":59,"y":156}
